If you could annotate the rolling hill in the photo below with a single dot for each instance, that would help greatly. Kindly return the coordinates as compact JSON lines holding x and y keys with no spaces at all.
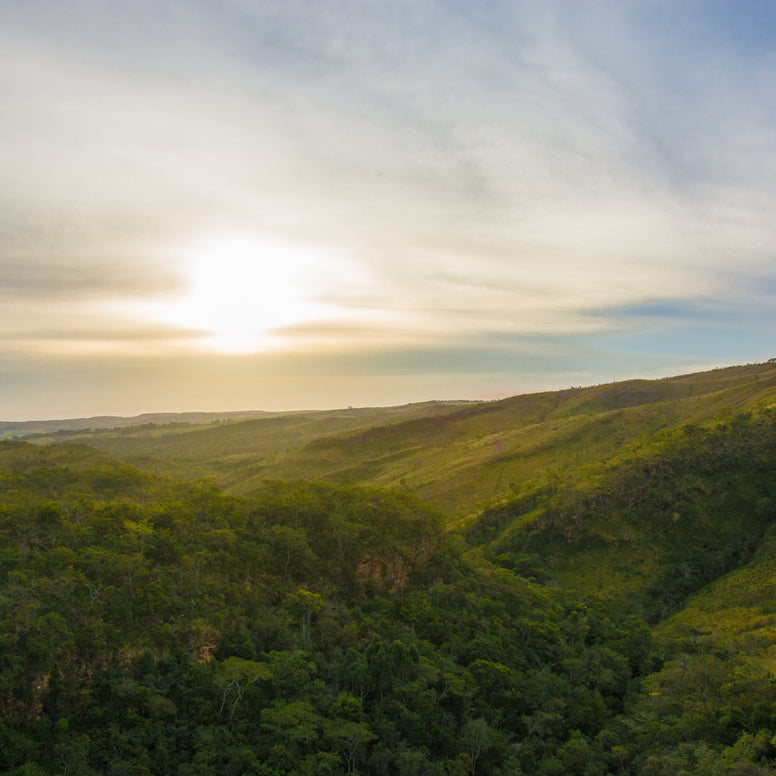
{"x":460,"y":458}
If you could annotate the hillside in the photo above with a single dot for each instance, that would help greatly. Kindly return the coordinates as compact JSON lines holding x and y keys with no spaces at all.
{"x":609,"y":611}
{"x":653,"y":523}
{"x":107,"y":422}
{"x":711,"y":705}
{"x":464,"y":460}
{"x":152,"y":626}
{"x":461,"y":459}
{"x":225,"y":445}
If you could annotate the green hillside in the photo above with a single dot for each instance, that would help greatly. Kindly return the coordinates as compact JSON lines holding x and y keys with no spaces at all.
{"x":151,"y":626}
{"x":711,"y":708}
{"x":226,"y":445}
{"x":464,"y":460}
{"x":605,"y":607}
{"x":168,"y":420}
{"x":651,"y":524}
{"x":459,"y":458}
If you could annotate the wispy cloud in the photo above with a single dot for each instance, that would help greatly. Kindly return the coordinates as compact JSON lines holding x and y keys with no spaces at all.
{"x":459,"y":170}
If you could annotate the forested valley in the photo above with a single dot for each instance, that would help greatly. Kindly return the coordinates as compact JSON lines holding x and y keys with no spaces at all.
{"x":578,"y":582}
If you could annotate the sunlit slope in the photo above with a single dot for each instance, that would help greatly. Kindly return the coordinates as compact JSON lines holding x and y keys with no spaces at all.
{"x":463,"y":460}
{"x":654,"y":523}
{"x":714,"y":695}
{"x":21,"y":456}
{"x":223,"y":448}
{"x":735,"y":614}
{"x":461,"y":457}
{"x":71,"y":426}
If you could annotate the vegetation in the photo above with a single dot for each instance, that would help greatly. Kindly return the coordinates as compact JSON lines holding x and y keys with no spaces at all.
{"x":461,"y":457}
{"x":610,"y":614}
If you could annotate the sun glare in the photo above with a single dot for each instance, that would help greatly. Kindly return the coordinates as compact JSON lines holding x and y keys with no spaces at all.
{"x":242,"y":290}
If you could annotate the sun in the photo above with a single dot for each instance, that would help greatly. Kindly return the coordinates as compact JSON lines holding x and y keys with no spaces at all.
{"x":241,"y":290}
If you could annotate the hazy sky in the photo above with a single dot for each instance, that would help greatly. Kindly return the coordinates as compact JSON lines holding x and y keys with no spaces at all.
{"x":235,"y":204}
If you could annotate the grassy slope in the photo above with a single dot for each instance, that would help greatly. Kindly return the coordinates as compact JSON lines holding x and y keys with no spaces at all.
{"x":21,"y":456}
{"x":223,"y":449}
{"x":460,"y":459}
{"x":712,"y":702}
{"x":466,"y":459}
{"x":650,"y":525}
{"x":73,"y":425}
{"x":734,"y":615}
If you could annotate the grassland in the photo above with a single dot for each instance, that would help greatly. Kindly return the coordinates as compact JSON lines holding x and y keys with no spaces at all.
{"x":461,"y":457}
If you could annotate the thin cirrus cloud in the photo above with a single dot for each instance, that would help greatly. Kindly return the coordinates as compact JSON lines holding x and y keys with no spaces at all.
{"x":459,"y":176}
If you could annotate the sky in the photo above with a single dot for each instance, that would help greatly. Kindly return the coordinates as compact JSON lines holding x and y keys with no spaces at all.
{"x":297,"y":204}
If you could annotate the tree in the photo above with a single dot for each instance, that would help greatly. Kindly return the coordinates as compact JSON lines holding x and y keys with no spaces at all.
{"x":233,"y":676}
{"x":477,"y":738}
{"x":307,"y":604}
{"x":350,"y":737}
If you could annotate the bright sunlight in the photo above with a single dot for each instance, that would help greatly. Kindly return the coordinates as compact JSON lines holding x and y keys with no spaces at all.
{"x":240,"y":290}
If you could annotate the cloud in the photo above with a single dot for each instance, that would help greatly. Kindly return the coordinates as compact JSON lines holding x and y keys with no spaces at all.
{"x":459,"y":171}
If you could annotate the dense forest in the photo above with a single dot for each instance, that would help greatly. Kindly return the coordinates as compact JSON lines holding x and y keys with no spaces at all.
{"x":609,"y":612}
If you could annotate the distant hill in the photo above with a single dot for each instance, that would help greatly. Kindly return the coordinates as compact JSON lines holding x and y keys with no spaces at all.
{"x":226,"y":442}
{"x":171,"y":420}
{"x":460,"y":456}
{"x":25,"y":427}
